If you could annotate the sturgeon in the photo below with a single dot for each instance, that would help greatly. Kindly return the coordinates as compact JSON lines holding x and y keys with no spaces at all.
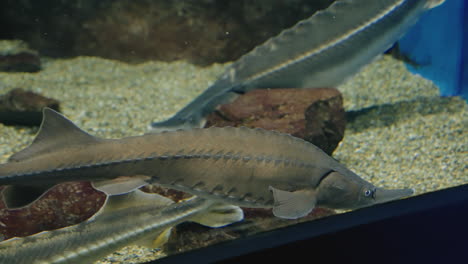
{"x":132,"y":218}
{"x":321,"y":51}
{"x":239,"y":166}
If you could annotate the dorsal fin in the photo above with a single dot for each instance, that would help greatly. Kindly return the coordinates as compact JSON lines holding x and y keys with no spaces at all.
{"x":56,"y":131}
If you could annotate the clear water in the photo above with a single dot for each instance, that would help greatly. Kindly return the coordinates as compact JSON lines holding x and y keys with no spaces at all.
{"x":117,"y":66}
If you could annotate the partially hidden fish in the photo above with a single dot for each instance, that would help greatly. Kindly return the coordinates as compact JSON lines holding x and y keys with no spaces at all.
{"x":239,"y":166}
{"x":321,"y":51}
{"x":132,"y":218}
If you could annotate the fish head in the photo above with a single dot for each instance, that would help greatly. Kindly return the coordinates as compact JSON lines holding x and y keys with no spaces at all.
{"x":339,"y":191}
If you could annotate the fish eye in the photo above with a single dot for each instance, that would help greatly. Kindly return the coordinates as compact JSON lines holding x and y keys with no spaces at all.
{"x":369,"y":193}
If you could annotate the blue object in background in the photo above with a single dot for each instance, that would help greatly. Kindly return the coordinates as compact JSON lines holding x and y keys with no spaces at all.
{"x":437,"y":46}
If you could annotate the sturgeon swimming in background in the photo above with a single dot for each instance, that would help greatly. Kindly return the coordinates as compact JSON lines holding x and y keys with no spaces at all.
{"x":133,"y":218}
{"x":239,"y":166}
{"x":321,"y":51}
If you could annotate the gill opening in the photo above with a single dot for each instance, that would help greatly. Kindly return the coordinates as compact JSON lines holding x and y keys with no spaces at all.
{"x":323,"y":177}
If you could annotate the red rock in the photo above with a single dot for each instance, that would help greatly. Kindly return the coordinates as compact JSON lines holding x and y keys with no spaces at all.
{"x":316,"y":115}
{"x":64,"y":205}
{"x":20,"y":107}
{"x":175,"y":195}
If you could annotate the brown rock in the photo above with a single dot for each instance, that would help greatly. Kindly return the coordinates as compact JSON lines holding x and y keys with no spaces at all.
{"x":20,"y":107}
{"x":16,"y":56}
{"x":20,"y":62}
{"x":315,"y":115}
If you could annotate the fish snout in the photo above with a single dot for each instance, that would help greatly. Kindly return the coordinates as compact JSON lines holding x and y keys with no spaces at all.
{"x":385,"y":195}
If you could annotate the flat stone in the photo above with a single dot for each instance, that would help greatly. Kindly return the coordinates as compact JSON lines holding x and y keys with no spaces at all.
{"x":20,"y":107}
{"x":20,"y":62}
{"x":315,"y":115}
{"x":16,"y":56}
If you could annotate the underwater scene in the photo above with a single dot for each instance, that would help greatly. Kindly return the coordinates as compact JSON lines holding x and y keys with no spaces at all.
{"x":135,"y":130}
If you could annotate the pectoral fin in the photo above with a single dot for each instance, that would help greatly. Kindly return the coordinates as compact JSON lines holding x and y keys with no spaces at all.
{"x":218,"y":215}
{"x":161,"y":239}
{"x":292,"y":205}
{"x":149,"y":241}
{"x":121,"y":185}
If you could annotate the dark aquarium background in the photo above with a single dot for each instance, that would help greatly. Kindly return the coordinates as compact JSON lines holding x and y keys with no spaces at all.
{"x":202,"y":32}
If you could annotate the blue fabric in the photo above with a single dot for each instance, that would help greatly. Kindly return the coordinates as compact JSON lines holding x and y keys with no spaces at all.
{"x":438,"y":45}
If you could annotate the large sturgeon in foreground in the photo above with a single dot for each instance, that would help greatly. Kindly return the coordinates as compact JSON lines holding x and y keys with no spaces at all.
{"x":321,"y":51}
{"x":132,"y":218}
{"x":239,"y":166}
